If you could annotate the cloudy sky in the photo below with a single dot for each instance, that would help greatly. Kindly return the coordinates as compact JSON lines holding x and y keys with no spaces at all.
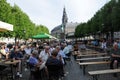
{"x":49,"y":12}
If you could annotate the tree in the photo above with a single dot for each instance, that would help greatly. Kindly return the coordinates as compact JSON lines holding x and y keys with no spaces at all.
{"x":24,"y":28}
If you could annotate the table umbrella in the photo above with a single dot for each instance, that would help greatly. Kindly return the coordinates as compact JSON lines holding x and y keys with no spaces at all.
{"x":42,"y":36}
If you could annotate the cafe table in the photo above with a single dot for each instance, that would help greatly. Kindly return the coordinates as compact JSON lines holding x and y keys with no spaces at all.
{"x":11,"y":63}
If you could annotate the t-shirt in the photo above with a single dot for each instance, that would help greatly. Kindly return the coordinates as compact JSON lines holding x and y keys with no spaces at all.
{"x":16,"y":55}
{"x":33,"y":60}
{"x":28,"y":51}
{"x":44,"y":56}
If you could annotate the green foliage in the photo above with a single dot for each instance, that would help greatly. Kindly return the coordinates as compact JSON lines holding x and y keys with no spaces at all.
{"x":107,"y":19}
{"x":24,"y":28}
{"x":80,"y":30}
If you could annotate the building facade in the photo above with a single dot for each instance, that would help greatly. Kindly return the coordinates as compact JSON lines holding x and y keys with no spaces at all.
{"x":56,"y":32}
{"x":69,"y":30}
{"x":65,"y":29}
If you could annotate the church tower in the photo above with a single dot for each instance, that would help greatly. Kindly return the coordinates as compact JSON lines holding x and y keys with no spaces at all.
{"x":64,"y":21}
{"x":64,"y":17}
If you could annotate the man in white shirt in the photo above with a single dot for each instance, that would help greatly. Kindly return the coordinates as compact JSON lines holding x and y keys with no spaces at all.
{"x":61,"y":54}
{"x":28,"y":50}
{"x":44,"y":55}
{"x":66,"y":50}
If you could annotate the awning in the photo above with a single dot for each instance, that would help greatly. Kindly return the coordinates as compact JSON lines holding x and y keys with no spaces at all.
{"x":5,"y":26}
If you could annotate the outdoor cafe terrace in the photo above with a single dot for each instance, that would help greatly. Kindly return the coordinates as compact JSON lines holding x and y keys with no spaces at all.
{"x":75,"y":71}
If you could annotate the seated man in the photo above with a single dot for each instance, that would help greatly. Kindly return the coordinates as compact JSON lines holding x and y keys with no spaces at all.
{"x":54,"y":66}
{"x":82,"y":46}
{"x":34,"y":64}
{"x":28,"y":51}
{"x":44,"y":54}
{"x":16,"y":55}
{"x":66,"y":50}
{"x":33,"y":60}
{"x":115,"y":56}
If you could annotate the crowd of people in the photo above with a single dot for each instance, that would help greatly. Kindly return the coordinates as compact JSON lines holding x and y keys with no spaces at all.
{"x":49,"y":58}
{"x":39,"y":56}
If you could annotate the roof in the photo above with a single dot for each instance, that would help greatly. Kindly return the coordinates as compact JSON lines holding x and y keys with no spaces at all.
{"x":56,"y":28}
